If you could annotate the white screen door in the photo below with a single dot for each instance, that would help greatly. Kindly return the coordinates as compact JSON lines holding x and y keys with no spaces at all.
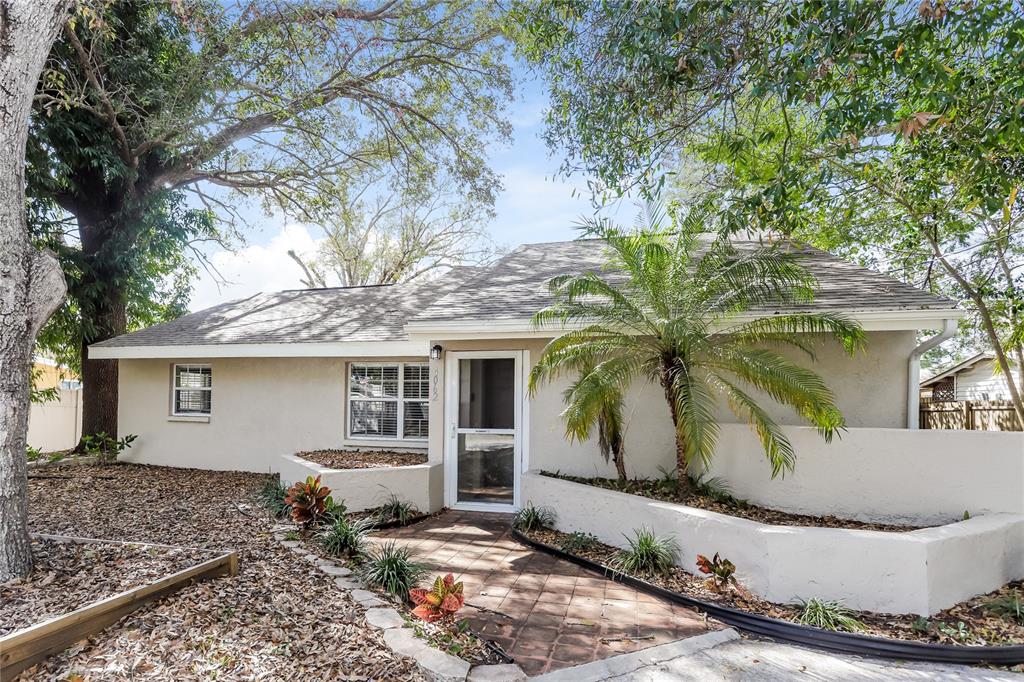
{"x":484,"y":415}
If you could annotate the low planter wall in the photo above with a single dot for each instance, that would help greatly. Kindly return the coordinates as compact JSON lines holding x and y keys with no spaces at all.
{"x":919,"y":572}
{"x":921,"y":477}
{"x":361,"y":489}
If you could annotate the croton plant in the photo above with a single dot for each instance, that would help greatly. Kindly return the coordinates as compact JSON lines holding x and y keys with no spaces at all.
{"x":309,"y":501}
{"x":441,"y":602}
{"x":721,"y":571}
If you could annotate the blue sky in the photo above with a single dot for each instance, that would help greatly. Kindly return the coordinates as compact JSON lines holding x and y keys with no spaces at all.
{"x":536,"y":205}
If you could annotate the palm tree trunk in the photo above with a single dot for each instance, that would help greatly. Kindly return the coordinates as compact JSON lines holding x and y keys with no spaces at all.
{"x":682,"y":462}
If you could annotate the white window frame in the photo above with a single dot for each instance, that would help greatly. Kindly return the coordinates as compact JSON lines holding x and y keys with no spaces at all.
{"x":175,"y":388}
{"x":399,"y":436}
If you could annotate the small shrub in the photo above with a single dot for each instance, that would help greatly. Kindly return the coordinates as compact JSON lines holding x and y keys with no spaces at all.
{"x":272,"y":496}
{"x":441,"y":602}
{"x":717,"y":489}
{"x":828,"y":615}
{"x":334,"y":510}
{"x":647,"y":554}
{"x":533,"y":518}
{"x":577,"y":542}
{"x":106,"y":448}
{"x":33,"y":454}
{"x":721,"y":571}
{"x":1009,"y":606}
{"x":309,"y":501}
{"x":397,"y":510}
{"x":345,"y":537}
{"x":392,"y":569}
{"x":292,"y":536}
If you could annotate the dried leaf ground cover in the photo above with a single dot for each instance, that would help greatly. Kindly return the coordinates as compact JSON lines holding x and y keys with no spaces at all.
{"x":278,"y":619}
{"x":70,"y":575}
{"x":456,"y":640}
{"x":659,"y":490}
{"x":357,"y":459}
{"x":969,"y":623}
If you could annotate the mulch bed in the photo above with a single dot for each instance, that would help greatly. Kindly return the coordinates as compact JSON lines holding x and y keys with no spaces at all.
{"x":70,"y":575}
{"x":979,"y":627}
{"x":464,"y":644}
{"x":657,"y":490}
{"x":363,"y":459}
{"x":279,"y":619}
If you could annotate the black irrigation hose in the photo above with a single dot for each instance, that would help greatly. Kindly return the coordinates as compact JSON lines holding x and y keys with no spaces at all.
{"x":794,"y":633}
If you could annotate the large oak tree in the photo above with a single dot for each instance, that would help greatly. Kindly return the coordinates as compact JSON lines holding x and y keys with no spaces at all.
{"x":279,"y":101}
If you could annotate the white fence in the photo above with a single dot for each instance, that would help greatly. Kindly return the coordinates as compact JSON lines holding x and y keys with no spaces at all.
{"x":56,"y":425}
{"x":883,"y":475}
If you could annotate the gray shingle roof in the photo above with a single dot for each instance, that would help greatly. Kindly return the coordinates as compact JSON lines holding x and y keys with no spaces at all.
{"x":512,"y":289}
{"x":516,"y":286}
{"x":373,"y":313}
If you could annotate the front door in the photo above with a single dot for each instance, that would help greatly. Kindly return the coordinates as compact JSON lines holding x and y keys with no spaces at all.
{"x":484,"y":417}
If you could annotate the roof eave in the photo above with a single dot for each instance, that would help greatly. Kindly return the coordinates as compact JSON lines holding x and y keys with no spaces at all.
{"x":870,"y":320}
{"x":350,"y":349}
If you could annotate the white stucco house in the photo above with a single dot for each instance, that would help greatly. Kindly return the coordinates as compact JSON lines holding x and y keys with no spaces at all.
{"x":440,"y":367}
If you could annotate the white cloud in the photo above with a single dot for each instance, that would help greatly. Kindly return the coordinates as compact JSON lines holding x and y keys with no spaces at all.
{"x":255,"y":268}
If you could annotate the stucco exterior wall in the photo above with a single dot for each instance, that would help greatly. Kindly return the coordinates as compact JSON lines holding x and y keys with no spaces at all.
{"x":362,"y":489}
{"x":870,"y":389}
{"x":261,"y":408}
{"x":922,"y":571}
{"x":884,"y":475}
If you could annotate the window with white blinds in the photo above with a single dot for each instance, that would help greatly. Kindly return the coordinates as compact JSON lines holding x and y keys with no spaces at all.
{"x":388,"y":400}
{"x":192,"y":390}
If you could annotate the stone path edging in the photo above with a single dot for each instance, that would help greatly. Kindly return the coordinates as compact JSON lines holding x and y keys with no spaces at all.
{"x":398,"y":635}
{"x":627,"y":663}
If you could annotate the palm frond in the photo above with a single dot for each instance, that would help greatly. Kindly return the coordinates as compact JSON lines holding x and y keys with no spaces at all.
{"x":776,"y":446}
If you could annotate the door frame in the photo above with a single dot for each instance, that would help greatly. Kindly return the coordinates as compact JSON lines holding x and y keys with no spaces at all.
{"x":520,"y":457}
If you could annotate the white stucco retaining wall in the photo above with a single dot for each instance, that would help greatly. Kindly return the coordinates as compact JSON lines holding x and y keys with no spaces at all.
{"x":920,"y":572}
{"x":361,"y":489}
{"x":885,"y":475}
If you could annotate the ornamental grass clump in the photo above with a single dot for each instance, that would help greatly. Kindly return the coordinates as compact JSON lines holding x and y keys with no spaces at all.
{"x":1009,"y":606}
{"x":345,"y":537}
{"x":827,"y":615}
{"x":647,"y":554}
{"x":531,"y":518}
{"x":272,"y":497}
{"x":396,"y":510}
{"x":391,"y":568}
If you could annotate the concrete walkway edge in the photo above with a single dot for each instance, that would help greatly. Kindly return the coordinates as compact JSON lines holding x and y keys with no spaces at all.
{"x":627,"y":663}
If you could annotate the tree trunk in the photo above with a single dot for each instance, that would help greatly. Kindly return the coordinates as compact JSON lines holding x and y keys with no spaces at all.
{"x":31,"y":283}
{"x":682,"y":462}
{"x":99,"y":377}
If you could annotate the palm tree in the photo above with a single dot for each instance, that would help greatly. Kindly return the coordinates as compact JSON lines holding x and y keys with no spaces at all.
{"x":594,"y":404}
{"x":696,"y":314}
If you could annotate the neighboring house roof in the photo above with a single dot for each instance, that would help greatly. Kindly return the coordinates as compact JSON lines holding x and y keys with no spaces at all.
{"x":958,"y":367}
{"x":516,"y":286}
{"x":491,"y":300}
{"x":331,"y":315}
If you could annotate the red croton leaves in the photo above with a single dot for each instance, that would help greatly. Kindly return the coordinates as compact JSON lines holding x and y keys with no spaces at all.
{"x":441,"y":602}
{"x":308,"y":500}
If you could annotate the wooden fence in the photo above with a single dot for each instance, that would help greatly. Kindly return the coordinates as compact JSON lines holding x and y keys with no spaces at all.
{"x":970,"y":415}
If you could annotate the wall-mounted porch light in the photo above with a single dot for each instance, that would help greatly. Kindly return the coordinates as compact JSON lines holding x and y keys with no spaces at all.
{"x":435,"y":352}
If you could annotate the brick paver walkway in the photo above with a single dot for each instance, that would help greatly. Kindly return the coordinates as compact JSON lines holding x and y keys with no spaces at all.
{"x":546,"y":613}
